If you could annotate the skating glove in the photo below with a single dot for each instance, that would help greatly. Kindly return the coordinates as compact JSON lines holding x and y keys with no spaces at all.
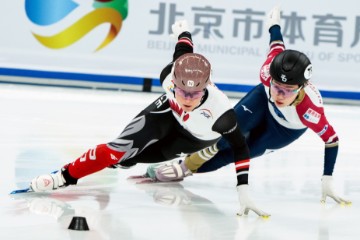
{"x":178,"y":28}
{"x":246,"y":204}
{"x":328,"y":191}
{"x":273,"y":17}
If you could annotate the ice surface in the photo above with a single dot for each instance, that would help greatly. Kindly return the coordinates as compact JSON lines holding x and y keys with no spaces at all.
{"x":44,"y":128}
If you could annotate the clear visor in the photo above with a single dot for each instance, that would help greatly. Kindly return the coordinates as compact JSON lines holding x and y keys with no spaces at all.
{"x":186,"y":94}
{"x":286,"y":92}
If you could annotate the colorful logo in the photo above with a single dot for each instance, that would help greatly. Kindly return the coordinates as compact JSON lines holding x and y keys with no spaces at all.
{"x":44,"y":13}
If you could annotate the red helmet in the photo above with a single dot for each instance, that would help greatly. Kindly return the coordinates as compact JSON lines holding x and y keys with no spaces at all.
{"x":191,"y":72}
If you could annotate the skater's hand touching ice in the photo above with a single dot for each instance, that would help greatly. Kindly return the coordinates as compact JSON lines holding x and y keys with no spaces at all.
{"x":246,"y":204}
{"x":328,"y":191}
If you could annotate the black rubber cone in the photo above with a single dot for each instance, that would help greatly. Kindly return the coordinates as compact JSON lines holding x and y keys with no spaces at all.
{"x":79,"y":224}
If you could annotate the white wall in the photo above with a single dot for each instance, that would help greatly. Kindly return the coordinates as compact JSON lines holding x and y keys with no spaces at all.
{"x":143,"y":46}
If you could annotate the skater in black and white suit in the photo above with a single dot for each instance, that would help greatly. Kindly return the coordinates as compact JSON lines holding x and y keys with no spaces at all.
{"x":192,"y":114}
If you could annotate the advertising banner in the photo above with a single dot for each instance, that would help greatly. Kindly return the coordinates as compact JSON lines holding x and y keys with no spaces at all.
{"x":125,"y":41}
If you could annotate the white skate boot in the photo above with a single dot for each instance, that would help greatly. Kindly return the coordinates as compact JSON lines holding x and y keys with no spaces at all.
{"x":48,"y":182}
{"x":173,"y":171}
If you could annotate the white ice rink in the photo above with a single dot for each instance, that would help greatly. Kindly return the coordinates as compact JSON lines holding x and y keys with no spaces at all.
{"x":44,"y":128}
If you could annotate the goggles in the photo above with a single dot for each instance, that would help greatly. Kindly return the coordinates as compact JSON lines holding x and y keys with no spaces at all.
{"x":284,"y":90}
{"x":185,"y":94}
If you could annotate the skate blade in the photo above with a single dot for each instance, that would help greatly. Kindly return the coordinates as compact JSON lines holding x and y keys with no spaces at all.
{"x":25,"y":190}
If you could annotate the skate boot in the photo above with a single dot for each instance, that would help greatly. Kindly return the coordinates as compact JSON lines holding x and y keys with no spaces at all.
{"x":52,"y":181}
{"x":172,"y":171}
{"x":48,"y":182}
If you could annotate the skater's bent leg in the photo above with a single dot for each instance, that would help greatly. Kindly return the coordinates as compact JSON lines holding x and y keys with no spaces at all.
{"x":221,"y":159}
{"x":93,"y":160}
